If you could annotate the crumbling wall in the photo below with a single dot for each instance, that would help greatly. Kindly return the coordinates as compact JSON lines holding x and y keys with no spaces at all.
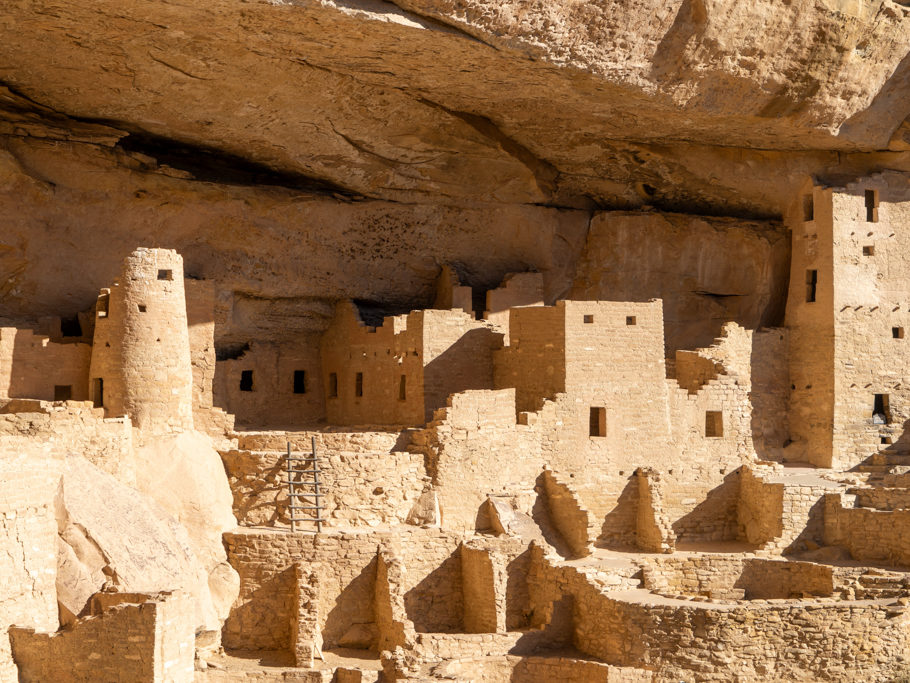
{"x":306,"y":639}
{"x":571,"y":520}
{"x":149,"y":641}
{"x":475,"y":448}
{"x":876,"y":536}
{"x":654,"y":533}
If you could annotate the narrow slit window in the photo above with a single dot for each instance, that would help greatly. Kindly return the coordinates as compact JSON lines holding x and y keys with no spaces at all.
{"x":897,"y":332}
{"x":881,"y":410}
{"x":165,"y":274}
{"x":811,"y":285}
{"x":98,"y":392}
{"x":808,"y":208}
{"x":246,"y":380}
{"x":63,"y":392}
{"x":402,"y":388}
{"x":299,"y":381}
{"x":714,"y":423}
{"x":631,"y":320}
{"x":869,"y":251}
{"x":104,"y":303}
{"x":597,"y":425}
{"x":589,"y":319}
{"x":358,"y":384}
{"x":872,"y":206}
{"x":333,"y":385}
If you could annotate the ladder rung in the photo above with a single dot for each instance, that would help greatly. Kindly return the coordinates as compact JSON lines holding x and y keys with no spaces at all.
{"x":303,"y":470}
{"x":306,"y":507}
{"x":296,"y":494}
{"x":295,"y":459}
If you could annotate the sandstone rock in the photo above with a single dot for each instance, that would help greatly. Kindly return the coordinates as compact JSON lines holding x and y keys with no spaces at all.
{"x":114,"y":538}
{"x":185,"y":476}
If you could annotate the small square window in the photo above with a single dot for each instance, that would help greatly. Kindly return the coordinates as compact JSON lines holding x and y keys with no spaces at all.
{"x":897,"y":332}
{"x":869,"y":251}
{"x":165,"y":274}
{"x":142,"y":308}
{"x":714,"y":423}
{"x":246,"y":380}
{"x":631,"y":320}
{"x":63,"y":392}
{"x":299,"y":381}
{"x":589,"y":319}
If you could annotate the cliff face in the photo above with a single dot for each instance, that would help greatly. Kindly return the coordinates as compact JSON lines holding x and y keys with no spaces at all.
{"x":307,"y":151}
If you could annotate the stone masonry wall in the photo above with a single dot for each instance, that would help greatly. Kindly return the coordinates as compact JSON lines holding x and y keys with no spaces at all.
{"x":153,"y":641}
{"x":31,"y":366}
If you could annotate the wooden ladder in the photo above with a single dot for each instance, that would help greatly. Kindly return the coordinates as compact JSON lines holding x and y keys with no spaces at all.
{"x":304,"y":493}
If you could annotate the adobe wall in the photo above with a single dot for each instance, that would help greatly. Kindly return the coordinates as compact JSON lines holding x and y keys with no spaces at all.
{"x":271,"y":402}
{"x":29,"y":477}
{"x":260,"y":617}
{"x":360,"y":489}
{"x":872,"y":277}
{"x":31,"y":366}
{"x":534,"y":362}
{"x":150,"y":641}
{"x":811,"y":325}
{"x":383,"y":355}
{"x":141,"y":348}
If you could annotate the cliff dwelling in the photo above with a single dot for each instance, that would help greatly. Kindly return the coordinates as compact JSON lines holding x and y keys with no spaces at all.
{"x":353,"y":342}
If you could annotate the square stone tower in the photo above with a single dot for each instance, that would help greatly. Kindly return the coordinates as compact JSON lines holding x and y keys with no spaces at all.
{"x":847,"y":309}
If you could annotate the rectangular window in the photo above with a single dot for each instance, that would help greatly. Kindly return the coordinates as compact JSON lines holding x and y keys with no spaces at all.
{"x":631,"y":320}
{"x":63,"y":392}
{"x":165,"y":274}
{"x":98,"y":392}
{"x":808,"y":208}
{"x":872,"y":206}
{"x":246,"y":380}
{"x":142,"y":308}
{"x":597,"y":422}
{"x":333,"y":385}
{"x":714,"y":423}
{"x":358,"y":384}
{"x":897,"y":332}
{"x":589,"y":319}
{"x":299,"y":381}
{"x":811,"y":285}
{"x":402,"y":388}
{"x":881,"y":410}
{"x":869,"y":251}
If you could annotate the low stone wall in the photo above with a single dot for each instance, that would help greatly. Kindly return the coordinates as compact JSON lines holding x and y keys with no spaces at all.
{"x":150,"y":641}
{"x":359,"y":489}
{"x":736,"y":577}
{"x":882,"y":498}
{"x":682,"y":640}
{"x":879,"y":536}
{"x":514,"y":669}
{"x":345,"y":440}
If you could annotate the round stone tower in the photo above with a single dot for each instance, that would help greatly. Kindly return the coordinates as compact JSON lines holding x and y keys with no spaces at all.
{"x":141,"y":352}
